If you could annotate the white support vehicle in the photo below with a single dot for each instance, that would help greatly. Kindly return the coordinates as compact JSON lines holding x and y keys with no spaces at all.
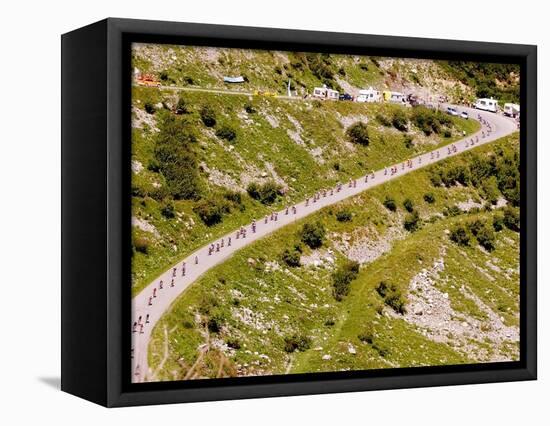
{"x":511,"y":110}
{"x":368,"y":95}
{"x":333,"y":95}
{"x":320,"y":92}
{"x":325,"y":93}
{"x":395,"y":97}
{"x":486,"y":104}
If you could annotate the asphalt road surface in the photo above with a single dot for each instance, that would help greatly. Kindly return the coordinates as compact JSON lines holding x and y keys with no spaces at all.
{"x":153,"y":301}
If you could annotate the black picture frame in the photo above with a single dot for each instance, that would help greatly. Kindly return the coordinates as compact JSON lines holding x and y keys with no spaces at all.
{"x":96,"y":212}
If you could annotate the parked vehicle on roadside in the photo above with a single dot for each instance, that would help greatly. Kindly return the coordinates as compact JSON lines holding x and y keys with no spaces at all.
{"x":394,"y":97}
{"x":346,"y":97}
{"x":511,"y":110}
{"x":452,"y":111}
{"x":368,"y":95}
{"x":464,"y":115}
{"x":325,"y":93}
{"x":487,"y":104}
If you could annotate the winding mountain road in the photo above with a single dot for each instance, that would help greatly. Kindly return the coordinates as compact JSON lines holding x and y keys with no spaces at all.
{"x":155,"y":299}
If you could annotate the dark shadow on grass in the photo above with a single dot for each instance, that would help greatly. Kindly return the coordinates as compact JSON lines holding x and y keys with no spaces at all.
{"x":54,"y":382}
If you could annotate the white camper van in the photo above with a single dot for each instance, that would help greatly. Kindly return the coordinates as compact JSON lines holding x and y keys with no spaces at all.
{"x":320,"y":92}
{"x":325,"y":93}
{"x":332,"y":95}
{"x":368,"y":95}
{"x":511,"y":110}
{"x":487,"y":104}
{"x":396,"y":97}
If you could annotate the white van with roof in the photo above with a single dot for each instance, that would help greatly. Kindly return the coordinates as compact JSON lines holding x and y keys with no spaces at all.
{"x":368,"y":95}
{"x":511,"y":110}
{"x":487,"y":104}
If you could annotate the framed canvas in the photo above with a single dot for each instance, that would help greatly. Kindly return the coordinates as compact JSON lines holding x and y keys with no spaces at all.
{"x":254,"y":212}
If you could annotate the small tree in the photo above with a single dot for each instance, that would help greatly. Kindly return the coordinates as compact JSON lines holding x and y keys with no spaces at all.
{"x":358,"y":133}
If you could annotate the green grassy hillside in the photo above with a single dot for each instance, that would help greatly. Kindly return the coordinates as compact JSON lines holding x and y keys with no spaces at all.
{"x":297,"y":147}
{"x":437,"y":282}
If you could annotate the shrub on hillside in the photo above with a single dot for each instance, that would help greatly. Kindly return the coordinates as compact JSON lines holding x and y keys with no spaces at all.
{"x":408,"y":204}
{"x":227,"y":133}
{"x":399,"y":120}
{"x":412,"y":222}
{"x":181,"y":106}
{"x":344,"y":216}
{"x":429,"y":197}
{"x":392,"y":296}
{"x":408,"y":140}
{"x":342,"y":278}
{"x":233,"y":343}
{"x":265,"y":193}
{"x":485,"y":236}
{"x":211,"y":211}
{"x":511,"y":218}
{"x":291,"y":258}
{"x":429,"y":121}
{"x":452,"y":211}
{"x":249,"y":108}
{"x":358,"y":133}
{"x":367,"y":335}
{"x":176,"y":159}
{"x":149,"y":108}
{"x":296,"y":343}
{"x":141,"y":245}
{"x":208,"y":116}
{"x":460,"y":235}
{"x":383,"y":120}
{"x":390,"y":204}
{"x":490,"y":189}
{"x":313,"y":234}
{"x":498,"y":221}
{"x":215,"y":323}
{"x":168,"y":211}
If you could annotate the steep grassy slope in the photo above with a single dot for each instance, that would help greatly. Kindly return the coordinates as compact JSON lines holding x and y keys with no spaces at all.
{"x":255,"y":314}
{"x":301,"y":146}
{"x":271,"y":71}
